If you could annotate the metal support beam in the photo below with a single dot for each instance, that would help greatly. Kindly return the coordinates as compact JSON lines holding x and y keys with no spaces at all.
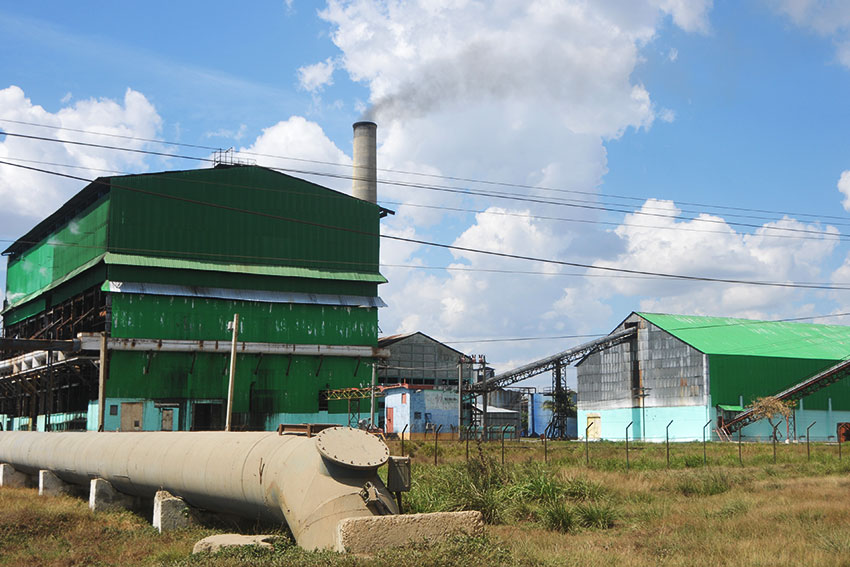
{"x":91,"y":342}
{"x":550,"y":362}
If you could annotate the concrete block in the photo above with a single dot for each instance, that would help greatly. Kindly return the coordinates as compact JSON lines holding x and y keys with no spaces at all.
{"x":218,"y":542}
{"x":170,"y":512}
{"x":372,"y":533}
{"x":51,"y":485}
{"x":103,"y":496}
{"x":10,"y":477}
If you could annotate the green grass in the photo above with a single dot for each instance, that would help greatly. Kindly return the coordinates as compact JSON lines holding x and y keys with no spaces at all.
{"x":793,"y":513}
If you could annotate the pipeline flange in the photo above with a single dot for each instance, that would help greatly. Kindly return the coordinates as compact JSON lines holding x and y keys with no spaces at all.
{"x":352,"y":448}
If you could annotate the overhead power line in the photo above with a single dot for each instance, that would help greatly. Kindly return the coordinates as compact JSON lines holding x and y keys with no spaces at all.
{"x":488,"y":212}
{"x":601,"y":268}
{"x":814,"y":216}
{"x":461,"y":191}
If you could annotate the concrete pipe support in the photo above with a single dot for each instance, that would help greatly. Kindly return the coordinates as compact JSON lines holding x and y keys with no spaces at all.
{"x":311,"y":483}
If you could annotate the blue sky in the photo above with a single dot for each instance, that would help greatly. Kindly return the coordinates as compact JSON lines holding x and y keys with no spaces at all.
{"x":641,"y":106}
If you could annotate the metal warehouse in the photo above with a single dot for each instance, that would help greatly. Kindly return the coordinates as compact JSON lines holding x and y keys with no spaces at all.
{"x":154,"y":266}
{"x":681,"y":372}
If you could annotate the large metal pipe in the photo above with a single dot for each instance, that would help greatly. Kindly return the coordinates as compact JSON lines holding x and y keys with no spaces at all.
{"x":310,"y":482}
{"x":365,"y":172}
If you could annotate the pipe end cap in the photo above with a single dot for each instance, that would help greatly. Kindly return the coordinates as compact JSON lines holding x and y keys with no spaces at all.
{"x":352,"y":448}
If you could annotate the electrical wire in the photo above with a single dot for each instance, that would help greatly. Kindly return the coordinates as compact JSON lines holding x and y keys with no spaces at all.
{"x":453,"y":190}
{"x":428,"y":175}
{"x":678,"y":228}
{"x":612,"y":269}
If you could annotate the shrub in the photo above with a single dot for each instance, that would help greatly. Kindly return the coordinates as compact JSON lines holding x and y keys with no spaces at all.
{"x":558,"y":516}
{"x":537,"y":483}
{"x":580,"y":488}
{"x":693,"y":461}
{"x":601,"y":514}
{"x":704,"y":484}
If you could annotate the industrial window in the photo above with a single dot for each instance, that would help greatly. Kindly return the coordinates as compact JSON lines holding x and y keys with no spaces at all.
{"x":417,"y":415}
{"x":323,"y":401}
{"x":404,"y":398}
{"x":113,"y":409}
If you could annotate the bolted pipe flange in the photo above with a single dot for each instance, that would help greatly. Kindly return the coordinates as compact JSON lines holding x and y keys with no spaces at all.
{"x":352,"y":448}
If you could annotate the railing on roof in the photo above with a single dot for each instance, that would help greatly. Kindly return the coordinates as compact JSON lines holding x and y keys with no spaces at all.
{"x":550,"y":362}
{"x":795,"y":393}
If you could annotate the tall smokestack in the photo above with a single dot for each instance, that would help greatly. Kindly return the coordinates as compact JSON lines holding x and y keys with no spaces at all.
{"x":365,"y":175}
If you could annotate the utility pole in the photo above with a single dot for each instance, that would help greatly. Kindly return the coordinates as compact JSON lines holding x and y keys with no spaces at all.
{"x":459,"y":395}
{"x":235,"y":327}
{"x":103,"y":372}
{"x":372,"y":393}
{"x":482,"y":361}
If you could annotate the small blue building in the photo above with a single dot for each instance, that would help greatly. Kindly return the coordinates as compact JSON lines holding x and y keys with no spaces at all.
{"x":420,"y":408}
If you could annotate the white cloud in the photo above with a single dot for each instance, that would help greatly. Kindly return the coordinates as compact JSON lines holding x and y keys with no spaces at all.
{"x":690,"y":15}
{"x":666,"y":115}
{"x":521,"y":92}
{"x":673,"y":54}
{"x":235,"y":135}
{"x":708,"y":246}
{"x":31,"y":195}
{"x":315,"y":77}
{"x":827,"y":18}
{"x":299,"y":144}
{"x":574,"y":59}
{"x":844,"y":188}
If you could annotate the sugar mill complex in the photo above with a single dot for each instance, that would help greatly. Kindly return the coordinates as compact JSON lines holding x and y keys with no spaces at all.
{"x":239,"y":297}
{"x":156,"y":265}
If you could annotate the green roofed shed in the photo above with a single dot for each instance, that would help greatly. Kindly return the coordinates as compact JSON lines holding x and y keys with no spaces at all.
{"x":744,"y":337}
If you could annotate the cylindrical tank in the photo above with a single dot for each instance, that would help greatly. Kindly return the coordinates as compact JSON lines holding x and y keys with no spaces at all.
{"x":365,"y":172}
{"x":310,"y":482}
{"x":541,"y":415}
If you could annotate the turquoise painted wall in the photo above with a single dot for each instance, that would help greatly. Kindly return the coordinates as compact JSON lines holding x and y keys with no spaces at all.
{"x":687,"y":423}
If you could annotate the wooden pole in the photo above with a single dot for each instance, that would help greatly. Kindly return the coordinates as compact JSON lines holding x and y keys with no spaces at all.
{"x":229,"y":419}
{"x":101,"y":382}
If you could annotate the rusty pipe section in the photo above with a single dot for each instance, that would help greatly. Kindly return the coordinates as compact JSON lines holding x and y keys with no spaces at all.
{"x":310,"y":482}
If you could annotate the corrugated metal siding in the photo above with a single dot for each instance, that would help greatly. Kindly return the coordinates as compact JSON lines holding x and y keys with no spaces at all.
{"x":163,"y":317}
{"x":161,"y":226}
{"x":417,"y":359}
{"x":239,"y":281}
{"x":671,"y":370}
{"x":266,"y":388}
{"x":81,"y":240}
{"x":753,"y":377}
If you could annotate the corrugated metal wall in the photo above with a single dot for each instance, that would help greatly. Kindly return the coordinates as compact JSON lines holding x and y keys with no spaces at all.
{"x":750,"y":377}
{"x":77,"y":242}
{"x":670,"y":370}
{"x":184,"y":227}
{"x":417,"y":359}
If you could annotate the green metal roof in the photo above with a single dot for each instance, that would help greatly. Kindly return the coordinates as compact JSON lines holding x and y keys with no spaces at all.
{"x":728,"y":336}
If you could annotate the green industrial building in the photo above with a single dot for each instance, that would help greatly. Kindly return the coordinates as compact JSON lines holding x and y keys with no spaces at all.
{"x":699,"y":372}
{"x":154,"y":266}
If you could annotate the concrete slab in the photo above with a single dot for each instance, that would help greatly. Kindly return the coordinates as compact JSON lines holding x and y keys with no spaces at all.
{"x":51,"y":485}
{"x":170,"y":512}
{"x":215,"y":543}
{"x":10,"y":477}
{"x":372,"y":533}
{"x":103,"y":496}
